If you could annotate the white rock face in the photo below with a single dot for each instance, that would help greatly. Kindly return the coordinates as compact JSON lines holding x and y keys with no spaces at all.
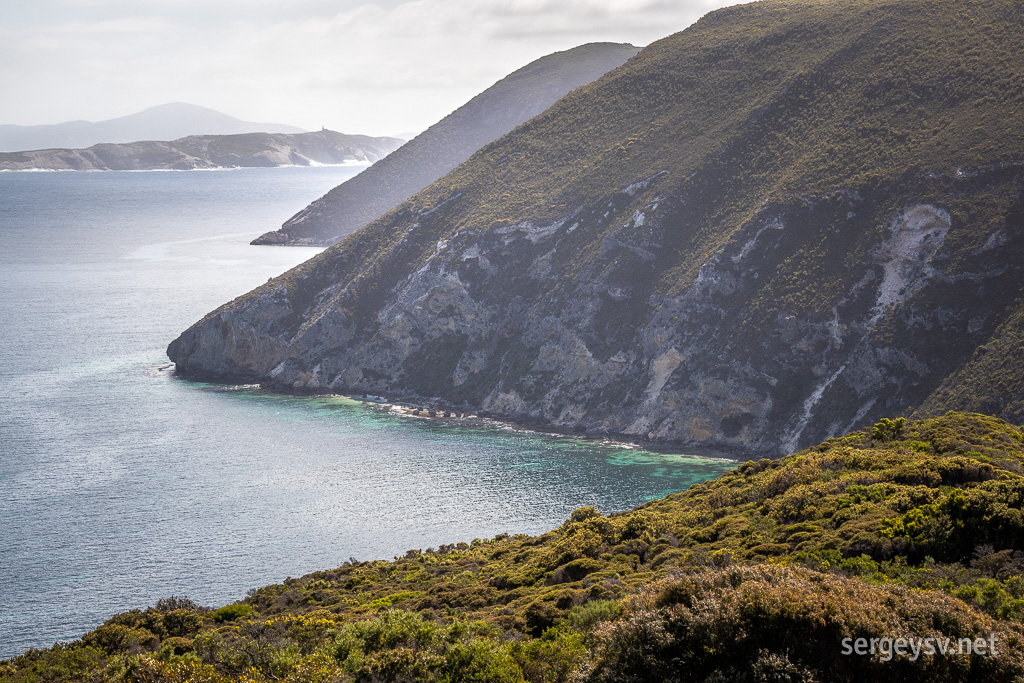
{"x":916,"y":236}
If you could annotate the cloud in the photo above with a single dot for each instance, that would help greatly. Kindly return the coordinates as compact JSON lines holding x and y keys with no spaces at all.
{"x":360,"y":66}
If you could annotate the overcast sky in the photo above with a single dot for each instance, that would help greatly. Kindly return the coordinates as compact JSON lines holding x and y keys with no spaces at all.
{"x":383,"y":67}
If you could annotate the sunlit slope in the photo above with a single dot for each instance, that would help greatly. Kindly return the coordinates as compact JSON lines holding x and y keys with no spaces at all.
{"x":514,"y":99}
{"x":774,"y":226}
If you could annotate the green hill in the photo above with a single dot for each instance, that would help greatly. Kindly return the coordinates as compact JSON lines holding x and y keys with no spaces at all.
{"x":514,"y":99}
{"x":782,"y":223}
{"x":910,"y":530}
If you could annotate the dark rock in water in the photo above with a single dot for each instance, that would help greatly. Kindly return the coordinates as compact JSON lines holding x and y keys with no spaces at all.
{"x":773,"y":227}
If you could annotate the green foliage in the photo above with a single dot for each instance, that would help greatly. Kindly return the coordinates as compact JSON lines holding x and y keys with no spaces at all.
{"x":389,"y":600}
{"x":398,"y":646}
{"x":231,"y":612}
{"x":585,"y":617}
{"x":771,"y":564}
{"x":888,"y":430}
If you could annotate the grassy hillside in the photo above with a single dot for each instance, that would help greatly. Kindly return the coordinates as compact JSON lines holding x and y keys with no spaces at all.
{"x":787,"y":221}
{"x":514,"y":99}
{"x":905,"y":529}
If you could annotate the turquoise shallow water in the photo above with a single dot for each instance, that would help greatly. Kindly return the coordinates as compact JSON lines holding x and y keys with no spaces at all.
{"x":120,"y":484}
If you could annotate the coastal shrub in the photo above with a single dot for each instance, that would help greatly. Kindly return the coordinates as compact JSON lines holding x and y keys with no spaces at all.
{"x":888,"y":430}
{"x":121,"y":638}
{"x":851,"y":537}
{"x":76,"y":661}
{"x":389,"y":600}
{"x":182,"y":623}
{"x":585,"y":617}
{"x":552,"y":658}
{"x":645,"y":525}
{"x":175,"y":646}
{"x":173,"y":603}
{"x":576,"y":570}
{"x":724,"y":624}
{"x":402,"y":646}
{"x":231,"y":612}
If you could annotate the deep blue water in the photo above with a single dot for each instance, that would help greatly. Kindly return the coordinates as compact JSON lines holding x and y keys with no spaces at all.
{"x":120,"y":485}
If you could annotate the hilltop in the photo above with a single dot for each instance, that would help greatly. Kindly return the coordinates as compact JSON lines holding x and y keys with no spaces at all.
{"x":163,"y":122}
{"x":210,"y":151}
{"x":514,"y":99}
{"x":904,"y":529}
{"x":784,"y":222}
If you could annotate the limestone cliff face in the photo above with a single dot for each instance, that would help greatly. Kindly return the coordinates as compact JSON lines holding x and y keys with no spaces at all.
{"x":747,"y":267}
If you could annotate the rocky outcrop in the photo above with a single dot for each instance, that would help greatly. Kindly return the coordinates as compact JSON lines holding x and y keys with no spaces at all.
{"x":632,"y":263}
{"x":511,"y":101}
{"x":209,"y":151}
{"x":489,"y":320}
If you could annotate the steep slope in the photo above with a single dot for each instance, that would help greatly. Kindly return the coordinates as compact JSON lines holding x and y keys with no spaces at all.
{"x":514,"y":99}
{"x":899,"y":531}
{"x":210,"y":151}
{"x":163,"y":122}
{"x":772,"y":227}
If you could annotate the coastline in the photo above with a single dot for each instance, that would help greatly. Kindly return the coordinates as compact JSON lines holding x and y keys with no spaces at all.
{"x":422,"y":408}
{"x":346,"y":164}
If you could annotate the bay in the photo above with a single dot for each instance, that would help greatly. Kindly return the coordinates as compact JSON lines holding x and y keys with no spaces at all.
{"x":120,"y":484}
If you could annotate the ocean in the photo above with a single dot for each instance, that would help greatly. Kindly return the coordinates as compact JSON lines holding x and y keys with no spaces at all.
{"x":120,"y":484}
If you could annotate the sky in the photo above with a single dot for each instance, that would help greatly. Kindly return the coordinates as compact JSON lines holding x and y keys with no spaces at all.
{"x":378,"y":68}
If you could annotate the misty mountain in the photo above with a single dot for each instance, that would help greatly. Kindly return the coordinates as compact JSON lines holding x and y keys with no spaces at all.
{"x":494,"y":112}
{"x":163,"y":122}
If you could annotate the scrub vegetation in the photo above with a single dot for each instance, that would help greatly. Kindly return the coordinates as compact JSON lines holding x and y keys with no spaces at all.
{"x":904,"y":529}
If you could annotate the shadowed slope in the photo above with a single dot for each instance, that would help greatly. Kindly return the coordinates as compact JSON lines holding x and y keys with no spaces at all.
{"x":781,"y":223}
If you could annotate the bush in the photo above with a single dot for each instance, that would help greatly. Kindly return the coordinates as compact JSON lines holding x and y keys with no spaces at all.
{"x":120,"y":638}
{"x":787,"y":623}
{"x":888,"y":430}
{"x":231,"y":612}
{"x":175,"y":646}
{"x":585,"y":617}
{"x":183,"y":623}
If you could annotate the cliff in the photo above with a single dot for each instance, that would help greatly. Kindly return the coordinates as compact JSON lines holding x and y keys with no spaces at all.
{"x":777,"y":225}
{"x":209,"y":151}
{"x":514,"y":99}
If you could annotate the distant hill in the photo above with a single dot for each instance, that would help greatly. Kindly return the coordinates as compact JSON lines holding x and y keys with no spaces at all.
{"x":163,"y":122}
{"x":514,"y":99}
{"x":209,"y":151}
{"x":784,"y":222}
